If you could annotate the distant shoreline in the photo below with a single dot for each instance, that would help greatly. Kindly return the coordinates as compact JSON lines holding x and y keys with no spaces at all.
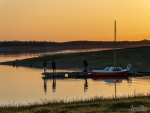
{"x":32,"y":49}
{"x":45,"y":49}
{"x":138,"y":57}
{"x":33,"y":46}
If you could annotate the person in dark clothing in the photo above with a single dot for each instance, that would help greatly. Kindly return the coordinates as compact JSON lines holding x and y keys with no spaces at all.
{"x":54,"y":66}
{"x":85,"y":65}
{"x":13,"y":64}
{"x":44,"y":64}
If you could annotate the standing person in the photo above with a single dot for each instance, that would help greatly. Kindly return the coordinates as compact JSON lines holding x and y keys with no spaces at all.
{"x":44,"y":64}
{"x":85,"y":65}
{"x":54,"y":66}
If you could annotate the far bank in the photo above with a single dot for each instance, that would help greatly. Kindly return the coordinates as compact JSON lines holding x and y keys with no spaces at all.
{"x":138,"y":57}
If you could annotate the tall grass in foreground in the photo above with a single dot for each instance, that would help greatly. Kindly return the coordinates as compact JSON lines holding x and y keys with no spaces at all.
{"x":73,"y":100}
{"x":96,"y":104}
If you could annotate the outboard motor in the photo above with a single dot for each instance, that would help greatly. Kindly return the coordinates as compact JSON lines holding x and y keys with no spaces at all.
{"x":129,"y":67}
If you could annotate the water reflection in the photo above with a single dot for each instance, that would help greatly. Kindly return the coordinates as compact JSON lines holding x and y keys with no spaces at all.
{"x":21,"y":87}
{"x":112,"y":79}
{"x":85,"y":85}
{"x":107,"y":80}
{"x":65,"y":77}
{"x":23,"y":55}
{"x":54,"y":84}
{"x":45,"y":85}
{"x":76,"y":51}
{"x":46,"y":78}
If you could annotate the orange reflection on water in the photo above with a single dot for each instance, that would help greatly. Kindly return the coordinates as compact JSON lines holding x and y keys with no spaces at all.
{"x":13,"y":56}
{"x":27,"y":85}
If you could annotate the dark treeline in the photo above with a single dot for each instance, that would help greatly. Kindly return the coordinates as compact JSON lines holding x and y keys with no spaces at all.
{"x":74,"y":43}
{"x":26,"y":43}
{"x":108,"y":43}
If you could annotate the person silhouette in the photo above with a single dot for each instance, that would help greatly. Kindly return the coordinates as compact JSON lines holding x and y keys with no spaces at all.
{"x":54,"y":66}
{"x":13,"y":64}
{"x":85,"y":65}
{"x":44,"y":64}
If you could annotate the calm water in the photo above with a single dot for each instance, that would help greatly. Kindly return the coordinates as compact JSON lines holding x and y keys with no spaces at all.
{"x":27,"y":85}
{"x":14,"y":56}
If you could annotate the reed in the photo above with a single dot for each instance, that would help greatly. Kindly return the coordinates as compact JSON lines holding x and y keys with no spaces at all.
{"x":94,"y":104}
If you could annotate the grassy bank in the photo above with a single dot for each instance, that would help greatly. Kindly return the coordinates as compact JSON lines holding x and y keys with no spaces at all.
{"x":138,"y":57}
{"x":99,"y":105}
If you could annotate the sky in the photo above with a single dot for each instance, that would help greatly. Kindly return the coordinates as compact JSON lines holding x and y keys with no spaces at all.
{"x":71,"y":20}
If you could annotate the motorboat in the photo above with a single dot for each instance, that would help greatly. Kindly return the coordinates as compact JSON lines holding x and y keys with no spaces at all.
{"x":112,"y":71}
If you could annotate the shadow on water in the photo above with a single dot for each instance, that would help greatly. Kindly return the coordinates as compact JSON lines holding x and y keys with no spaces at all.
{"x":114,"y":80}
{"x":45,"y":85}
{"x":85,"y":85}
{"x":53,"y":84}
{"x":66,"y":77}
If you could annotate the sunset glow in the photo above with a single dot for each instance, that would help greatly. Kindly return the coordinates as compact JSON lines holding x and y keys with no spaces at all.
{"x":70,"y":20}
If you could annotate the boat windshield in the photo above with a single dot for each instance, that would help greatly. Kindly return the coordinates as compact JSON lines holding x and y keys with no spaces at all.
{"x":106,"y":69}
{"x":113,"y":69}
{"x":117,"y":69}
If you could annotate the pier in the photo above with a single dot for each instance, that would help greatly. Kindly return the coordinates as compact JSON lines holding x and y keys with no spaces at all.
{"x":83,"y":74}
{"x":68,"y":74}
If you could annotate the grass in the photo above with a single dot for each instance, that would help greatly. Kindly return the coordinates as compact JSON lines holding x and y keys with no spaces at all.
{"x":97,"y":104}
{"x":138,"y":57}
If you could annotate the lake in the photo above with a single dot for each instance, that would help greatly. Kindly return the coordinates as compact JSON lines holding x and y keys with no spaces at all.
{"x":23,"y":55}
{"x":23,"y":85}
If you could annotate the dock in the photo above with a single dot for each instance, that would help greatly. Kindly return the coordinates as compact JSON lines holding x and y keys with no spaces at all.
{"x":68,"y":74}
{"x":83,"y":74}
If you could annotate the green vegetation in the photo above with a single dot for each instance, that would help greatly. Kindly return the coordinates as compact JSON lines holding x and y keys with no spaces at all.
{"x":93,"y":105}
{"x":138,"y":57}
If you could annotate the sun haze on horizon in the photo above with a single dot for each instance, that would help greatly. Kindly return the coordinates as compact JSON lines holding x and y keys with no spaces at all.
{"x":70,"y":20}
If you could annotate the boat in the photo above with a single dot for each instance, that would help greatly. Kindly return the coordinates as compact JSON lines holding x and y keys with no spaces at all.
{"x":112,"y":71}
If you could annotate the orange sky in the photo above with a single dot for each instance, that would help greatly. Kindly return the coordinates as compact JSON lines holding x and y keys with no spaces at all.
{"x":69,"y":20}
